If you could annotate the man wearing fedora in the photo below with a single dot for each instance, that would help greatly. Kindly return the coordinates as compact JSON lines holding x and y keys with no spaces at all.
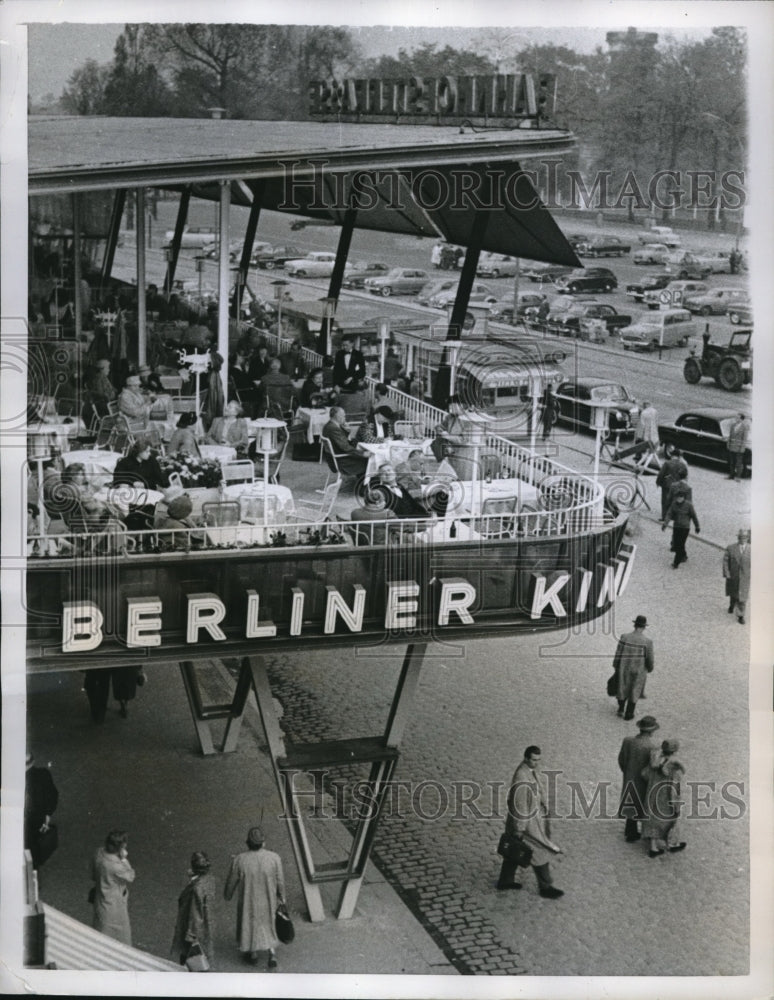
{"x":633,"y":758}
{"x":633,"y":661}
{"x":736,"y":571}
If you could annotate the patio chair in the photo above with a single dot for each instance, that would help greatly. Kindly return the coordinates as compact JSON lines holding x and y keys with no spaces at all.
{"x":501,"y":523}
{"x":307,"y":512}
{"x":238,"y":472}
{"x":409,"y":429}
{"x":275,"y":461}
{"x":221,"y":513}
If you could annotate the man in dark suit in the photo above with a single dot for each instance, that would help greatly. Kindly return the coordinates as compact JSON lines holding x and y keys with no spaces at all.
{"x":348,"y":366}
{"x":632,"y":758}
{"x":736,"y":571}
{"x":352,"y":462}
{"x":673,"y":469}
{"x":384,"y":488}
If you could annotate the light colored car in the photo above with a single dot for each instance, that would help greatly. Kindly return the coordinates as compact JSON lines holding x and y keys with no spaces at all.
{"x":478,"y":293}
{"x":715,"y":302}
{"x":433,"y":288}
{"x":497,"y":265}
{"x":318,"y":264}
{"x":673,"y":294}
{"x":660,"y":234}
{"x":683,"y":264}
{"x":398,"y":281}
{"x":503,"y":307}
{"x":193,"y":238}
{"x":651,"y":253}
{"x":668,"y":328}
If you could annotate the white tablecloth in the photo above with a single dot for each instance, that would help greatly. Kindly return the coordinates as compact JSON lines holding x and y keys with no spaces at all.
{"x":392,"y":451}
{"x":222,"y":453}
{"x":315,"y":420}
{"x":281,"y":494}
{"x":120,"y":498}
{"x":98,"y":464}
{"x":58,"y":432}
{"x":467,"y":497}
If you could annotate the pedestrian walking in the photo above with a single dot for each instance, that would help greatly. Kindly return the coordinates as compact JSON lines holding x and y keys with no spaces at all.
{"x":633,"y":757}
{"x":682,"y":513}
{"x":40,"y":801}
{"x":680,"y":485}
{"x":257,"y":874}
{"x":647,"y":426}
{"x":528,"y":820}
{"x":663,"y":774}
{"x":668,"y":474}
{"x":738,"y":440}
{"x":736,"y":572}
{"x":632,"y":663}
{"x":549,"y":411}
{"x":97,"y":683}
{"x":195,"y":923}
{"x":112,"y":875}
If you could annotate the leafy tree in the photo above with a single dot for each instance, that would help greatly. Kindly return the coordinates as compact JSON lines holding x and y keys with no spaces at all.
{"x":85,"y":89}
{"x":134,"y":86}
{"x":428,"y":60}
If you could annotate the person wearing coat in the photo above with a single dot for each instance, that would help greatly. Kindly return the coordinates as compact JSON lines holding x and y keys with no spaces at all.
{"x":112,"y":875}
{"x":195,"y":912}
{"x":738,"y":439}
{"x":633,"y":661}
{"x":257,"y":876}
{"x":663,"y":774}
{"x":528,"y":820}
{"x":40,"y":801}
{"x":647,"y":426}
{"x":736,"y":572}
{"x":668,"y":474}
{"x":632,"y":758}
{"x":681,"y":511}
{"x":348,"y":366}
{"x":230,"y":429}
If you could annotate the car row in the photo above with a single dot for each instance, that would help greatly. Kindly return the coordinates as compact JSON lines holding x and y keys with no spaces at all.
{"x":604,"y":246}
{"x":702,"y":434}
{"x":587,"y":279}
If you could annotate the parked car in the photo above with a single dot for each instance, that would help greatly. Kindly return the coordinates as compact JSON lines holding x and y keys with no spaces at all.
{"x":741,"y":313}
{"x":604,"y":246}
{"x":317,"y":264}
{"x":571,"y":320}
{"x":667,"y":328}
{"x":542,"y":316}
{"x":576,"y":239}
{"x":702,"y":434}
{"x":497,"y":265}
{"x":660,"y":234}
{"x":673,"y":293}
{"x":431,"y":288}
{"x":398,"y":281}
{"x":588,"y":279}
{"x":684,"y":265}
{"x":715,"y":302}
{"x":650,"y":283}
{"x":718,"y":262}
{"x":651,"y":253}
{"x":502,"y":309}
{"x":268,"y":258}
{"x":541,"y":272}
{"x":575,"y":396}
{"x":194,"y":237}
{"x":360,"y":272}
{"x":212,"y":250}
{"x":478,"y":293}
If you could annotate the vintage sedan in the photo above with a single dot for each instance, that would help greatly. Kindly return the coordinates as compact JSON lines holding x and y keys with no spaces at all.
{"x":741,"y":313}
{"x":317,"y":264}
{"x":268,"y":258}
{"x":478,"y":293}
{"x":588,"y":279}
{"x":571,"y":321}
{"x":497,"y":265}
{"x":683,"y":264}
{"x":193,"y":238}
{"x":363,"y":270}
{"x":398,"y":281}
{"x":651,"y":253}
{"x":673,"y":293}
{"x":650,"y":283}
{"x":715,"y":302}
{"x":502,"y":309}
{"x":574,"y":399}
{"x":540,"y":272}
{"x":604,"y":246}
{"x":702,"y":435}
{"x":660,"y":234}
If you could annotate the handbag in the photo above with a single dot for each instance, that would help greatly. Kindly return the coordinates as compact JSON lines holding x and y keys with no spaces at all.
{"x":283,"y":924}
{"x":47,"y":843}
{"x":612,"y":685}
{"x":513,"y":849}
{"x":196,"y":960}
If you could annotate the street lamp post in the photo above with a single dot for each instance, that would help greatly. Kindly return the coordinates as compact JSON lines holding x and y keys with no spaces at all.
{"x":279,"y":294}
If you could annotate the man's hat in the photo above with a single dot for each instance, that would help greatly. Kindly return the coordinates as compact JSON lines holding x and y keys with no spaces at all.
{"x":640,"y":621}
{"x":647,"y":724}
{"x":670,"y":746}
{"x":255,"y":837}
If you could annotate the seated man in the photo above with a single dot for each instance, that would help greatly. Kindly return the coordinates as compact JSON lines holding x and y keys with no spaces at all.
{"x":179,"y":517}
{"x":384,"y":492}
{"x":411,"y":472}
{"x":351,"y":461}
{"x":451,"y":431}
{"x":312,"y":389}
{"x":276,"y":388}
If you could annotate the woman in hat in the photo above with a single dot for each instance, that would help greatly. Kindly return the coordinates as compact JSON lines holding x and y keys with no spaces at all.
{"x":112,"y":875}
{"x":195,"y":911}
{"x":663,"y":774}
{"x":257,"y":875}
{"x":132,"y":402}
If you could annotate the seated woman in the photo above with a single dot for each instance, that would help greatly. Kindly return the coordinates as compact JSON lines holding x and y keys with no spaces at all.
{"x":377,"y":428}
{"x":74,"y":500}
{"x":133,"y":403}
{"x":450,"y":432}
{"x":139,"y":468}
{"x":230,"y":429}
{"x":384,"y":493}
{"x":179,"y":519}
{"x":183,"y":438}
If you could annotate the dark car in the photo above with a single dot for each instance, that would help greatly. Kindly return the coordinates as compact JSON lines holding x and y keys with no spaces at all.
{"x":604,"y":246}
{"x":269,"y":259}
{"x":571,"y":321}
{"x":588,"y":279}
{"x":357,"y":276}
{"x":702,"y":435}
{"x":650,"y":283}
{"x":575,"y":396}
{"x":545,"y":272}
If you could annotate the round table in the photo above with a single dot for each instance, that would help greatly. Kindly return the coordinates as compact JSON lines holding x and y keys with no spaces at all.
{"x":119,"y":499}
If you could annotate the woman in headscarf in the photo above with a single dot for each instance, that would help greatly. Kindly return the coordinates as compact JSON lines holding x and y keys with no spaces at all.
{"x":664,"y":774}
{"x":112,"y":875}
{"x":195,"y":912}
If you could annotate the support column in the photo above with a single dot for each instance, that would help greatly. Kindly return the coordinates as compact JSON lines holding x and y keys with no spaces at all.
{"x":202,"y":715}
{"x":77,"y":301}
{"x":468,"y":275}
{"x":182,"y":216}
{"x":112,"y":241}
{"x":223,"y":282}
{"x":142,"y":332}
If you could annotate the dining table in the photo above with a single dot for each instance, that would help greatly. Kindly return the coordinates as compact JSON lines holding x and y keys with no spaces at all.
{"x":222,"y":453}
{"x":120,"y":499}
{"x":391,"y":450}
{"x":98,"y":463}
{"x":281,"y":495}
{"x":314,"y":418}
{"x":57,"y":432}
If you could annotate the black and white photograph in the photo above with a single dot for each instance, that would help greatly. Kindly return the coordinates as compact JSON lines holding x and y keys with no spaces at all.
{"x":386,"y":577}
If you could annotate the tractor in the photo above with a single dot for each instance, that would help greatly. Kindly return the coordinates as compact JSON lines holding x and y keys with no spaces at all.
{"x":729,"y":364}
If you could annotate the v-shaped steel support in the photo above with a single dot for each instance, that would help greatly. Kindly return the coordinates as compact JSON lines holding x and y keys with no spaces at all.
{"x":202,"y":714}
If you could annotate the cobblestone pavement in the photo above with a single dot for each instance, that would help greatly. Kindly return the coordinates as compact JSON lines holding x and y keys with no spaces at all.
{"x":474,"y":713}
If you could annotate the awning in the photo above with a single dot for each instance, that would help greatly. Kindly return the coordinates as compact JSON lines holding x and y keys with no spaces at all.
{"x":358,"y":317}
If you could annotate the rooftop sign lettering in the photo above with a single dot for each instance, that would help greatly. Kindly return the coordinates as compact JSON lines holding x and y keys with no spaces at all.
{"x":444,"y":98}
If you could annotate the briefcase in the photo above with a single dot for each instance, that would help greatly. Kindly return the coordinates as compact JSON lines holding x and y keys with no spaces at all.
{"x":513,"y":849}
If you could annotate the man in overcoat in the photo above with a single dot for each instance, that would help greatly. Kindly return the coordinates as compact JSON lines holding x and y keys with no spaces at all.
{"x":738,"y":439}
{"x":528,"y":819}
{"x":668,"y":474}
{"x":633,"y":661}
{"x":736,"y":571}
{"x":633,"y":757}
